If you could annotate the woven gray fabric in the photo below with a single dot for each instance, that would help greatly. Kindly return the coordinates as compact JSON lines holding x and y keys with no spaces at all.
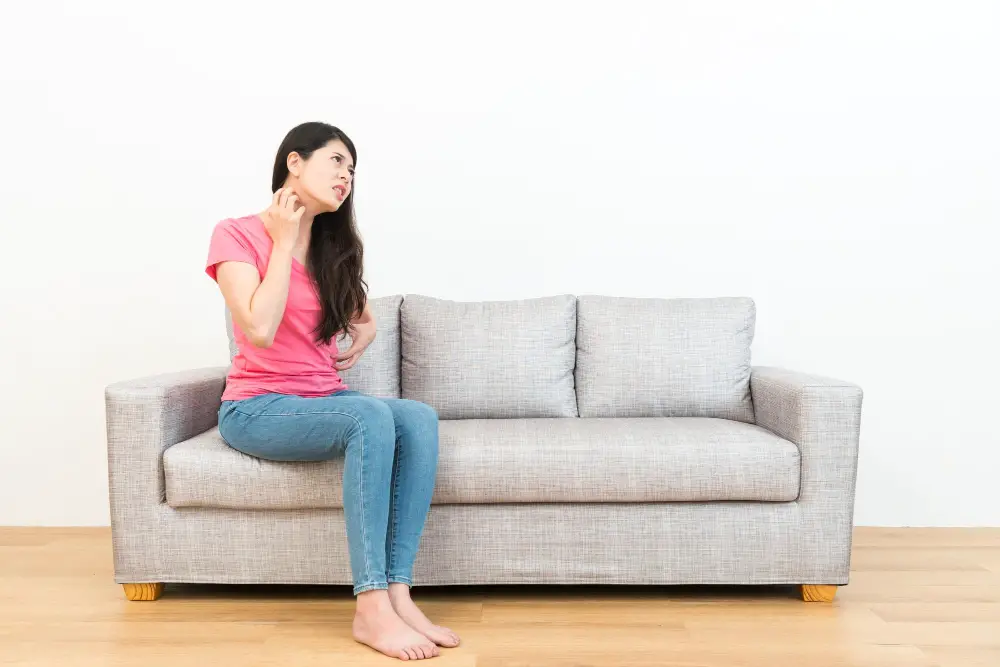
{"x":822,"y":416}
{"x":144,"y":417}
{"x":573,"y":543}
{"x":490,"y":359}
{"x":377,"y":371}
{"x":500,"y":461}
{"x":664,"y":357}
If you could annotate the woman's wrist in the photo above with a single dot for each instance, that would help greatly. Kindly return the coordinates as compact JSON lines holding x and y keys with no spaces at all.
{"x":284,"y":248}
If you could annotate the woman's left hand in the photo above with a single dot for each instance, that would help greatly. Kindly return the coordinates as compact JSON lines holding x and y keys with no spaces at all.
{"x":364,"y":334}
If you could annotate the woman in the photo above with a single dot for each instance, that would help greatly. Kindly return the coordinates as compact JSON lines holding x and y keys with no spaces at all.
{"x":292,"y":278}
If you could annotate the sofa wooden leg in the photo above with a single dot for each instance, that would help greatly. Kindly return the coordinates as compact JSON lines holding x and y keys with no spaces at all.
{"x":143,"y":591}
{"x":818,"y":592}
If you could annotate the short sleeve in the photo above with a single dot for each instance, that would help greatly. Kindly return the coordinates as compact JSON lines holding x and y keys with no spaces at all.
{"x":229,"y":244}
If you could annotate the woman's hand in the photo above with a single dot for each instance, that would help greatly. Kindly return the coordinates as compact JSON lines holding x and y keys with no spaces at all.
{"x":364,"y":334}
{"x":282,"y":218}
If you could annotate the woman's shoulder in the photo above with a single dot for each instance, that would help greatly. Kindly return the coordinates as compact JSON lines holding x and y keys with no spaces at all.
{"x":248,"y":230}
{"x":247,"y":224}
{"x":242,"y":239}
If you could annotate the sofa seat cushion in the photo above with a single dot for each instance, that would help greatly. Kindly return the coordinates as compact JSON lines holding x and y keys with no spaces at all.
{"x":655,"y":459}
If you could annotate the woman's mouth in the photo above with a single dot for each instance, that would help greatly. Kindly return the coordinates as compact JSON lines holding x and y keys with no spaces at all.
{"x":340,"y":190}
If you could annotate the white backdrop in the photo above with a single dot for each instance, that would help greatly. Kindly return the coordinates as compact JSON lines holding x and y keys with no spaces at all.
{"x":838,"y":162}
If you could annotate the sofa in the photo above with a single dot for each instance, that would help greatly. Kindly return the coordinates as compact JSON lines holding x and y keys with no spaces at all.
{"x":583,"y":440}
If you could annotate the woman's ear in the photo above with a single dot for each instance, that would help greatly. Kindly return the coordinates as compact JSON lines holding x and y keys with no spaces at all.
{"x":294,"y":163}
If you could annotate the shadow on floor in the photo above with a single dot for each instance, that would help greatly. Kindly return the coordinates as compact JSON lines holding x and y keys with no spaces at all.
{"x":497,"y":592}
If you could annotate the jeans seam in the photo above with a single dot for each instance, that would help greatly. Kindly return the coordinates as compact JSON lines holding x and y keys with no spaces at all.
{"x":291,"y":414}
{"x":395,"y":509}
{"x":361,"y":493}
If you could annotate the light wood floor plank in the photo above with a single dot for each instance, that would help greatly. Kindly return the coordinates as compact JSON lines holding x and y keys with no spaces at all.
{"x":962,"y":657}
{"x":913,"y":538}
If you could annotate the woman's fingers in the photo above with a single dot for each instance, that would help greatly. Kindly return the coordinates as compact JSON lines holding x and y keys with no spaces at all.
{"x":348,"y":363}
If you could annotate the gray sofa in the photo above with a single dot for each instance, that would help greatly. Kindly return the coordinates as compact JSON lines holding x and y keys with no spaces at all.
{"x":583,"y":440}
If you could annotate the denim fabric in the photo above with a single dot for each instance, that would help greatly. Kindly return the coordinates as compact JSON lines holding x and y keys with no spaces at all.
{"x":390,"y":447}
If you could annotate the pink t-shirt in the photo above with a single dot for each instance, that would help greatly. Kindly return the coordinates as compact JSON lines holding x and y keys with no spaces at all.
{"x":295,"y":363}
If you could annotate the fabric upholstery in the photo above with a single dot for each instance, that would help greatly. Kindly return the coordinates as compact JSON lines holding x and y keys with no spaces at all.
{"x":664,"y":357}
{"x":822,"y":416}
{"x":519,"y":461}
{"x":490,"y":359}
{"x":144,"y":417}
{"x":521,"y":543}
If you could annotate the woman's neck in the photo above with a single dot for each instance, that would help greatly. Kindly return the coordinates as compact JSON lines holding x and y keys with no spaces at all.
{"x":305,"y":234}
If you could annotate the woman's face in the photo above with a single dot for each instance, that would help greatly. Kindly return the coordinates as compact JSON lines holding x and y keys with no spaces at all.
{"x":325,"y":179}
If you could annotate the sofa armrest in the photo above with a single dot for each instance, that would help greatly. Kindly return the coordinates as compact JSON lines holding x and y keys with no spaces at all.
{"x":147,"y":415}
{"x":822,"y":416}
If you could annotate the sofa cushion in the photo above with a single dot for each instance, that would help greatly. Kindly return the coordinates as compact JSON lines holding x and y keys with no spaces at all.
{"x":490,"y":359}
{"x":377,"y":371}
{"x":519,"y":461}
{"x":645,"y":357}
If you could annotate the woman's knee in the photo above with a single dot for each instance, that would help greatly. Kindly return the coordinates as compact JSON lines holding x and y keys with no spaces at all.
{"x":408,"y":412}
{"x":374,"y":417}
{"x":418,"y":420}
{"x":423,"y":411}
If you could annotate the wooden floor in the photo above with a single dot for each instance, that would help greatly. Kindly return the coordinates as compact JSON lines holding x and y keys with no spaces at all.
{"x":917,"y":597}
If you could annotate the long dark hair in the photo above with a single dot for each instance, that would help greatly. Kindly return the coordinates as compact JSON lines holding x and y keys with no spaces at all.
{"x":336,"y":252}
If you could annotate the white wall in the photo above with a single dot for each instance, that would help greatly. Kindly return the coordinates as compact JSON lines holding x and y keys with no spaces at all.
{"x":839,"y":162}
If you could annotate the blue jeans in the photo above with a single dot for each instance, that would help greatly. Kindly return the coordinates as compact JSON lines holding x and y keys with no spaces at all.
{"x":390,"y":447}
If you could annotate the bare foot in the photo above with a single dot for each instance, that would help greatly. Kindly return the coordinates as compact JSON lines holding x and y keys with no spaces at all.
{"x":376,"y":624}
{"x":399,"y":595}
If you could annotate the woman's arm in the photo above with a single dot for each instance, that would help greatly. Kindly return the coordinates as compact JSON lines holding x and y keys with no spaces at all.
{"x":364,"y":328}
{"x":364,"y":333}
{"x":257,"y":305}
{"x":365,"y":317}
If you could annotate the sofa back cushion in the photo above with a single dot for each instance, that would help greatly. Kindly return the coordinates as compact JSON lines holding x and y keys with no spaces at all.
{"x":490,"y":359}
{"x":377,"y":371}
{"x":645,"y":357}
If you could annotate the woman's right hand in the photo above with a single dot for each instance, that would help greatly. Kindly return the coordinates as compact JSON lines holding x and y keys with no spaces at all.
{"x":283,"y":216}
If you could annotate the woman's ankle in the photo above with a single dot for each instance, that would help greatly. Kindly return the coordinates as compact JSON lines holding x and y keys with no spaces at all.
{"x":398,"y":588}
{"x":373,"y":601}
